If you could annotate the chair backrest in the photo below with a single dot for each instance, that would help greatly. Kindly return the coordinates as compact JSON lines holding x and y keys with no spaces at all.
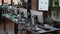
{"x":48,"y":20}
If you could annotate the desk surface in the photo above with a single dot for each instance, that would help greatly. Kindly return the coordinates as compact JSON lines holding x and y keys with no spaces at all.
{"x":27,"y":25}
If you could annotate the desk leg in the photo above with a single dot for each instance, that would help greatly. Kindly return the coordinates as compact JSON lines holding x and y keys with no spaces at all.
{"x":28,"y":32}
{"x":15,"y":28}
{"x":4,"y":26}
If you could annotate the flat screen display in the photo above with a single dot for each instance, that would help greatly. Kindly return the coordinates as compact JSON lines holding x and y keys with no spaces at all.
{"x":24,"y":11}
{"x":7,"y":1}
{"x":43,"y":5}
{"x":38,"y":14}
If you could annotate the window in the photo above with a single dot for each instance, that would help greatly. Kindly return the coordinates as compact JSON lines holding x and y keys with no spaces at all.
{"x":55,"y":10}
{"x":0,"y":2}
{"x":16,"y":2}
{"x":7,"y":1}
{"x":55,"y":2}
{"x":56,"y":15}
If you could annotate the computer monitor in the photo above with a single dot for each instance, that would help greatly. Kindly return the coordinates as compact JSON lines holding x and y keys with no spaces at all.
{"x":12,"y":10}
{"x":23,"y":12}
{"x":16,"y":10}
{"x":5,"y":7}
{"x":37,"y":17}
{"x":9,"y":8}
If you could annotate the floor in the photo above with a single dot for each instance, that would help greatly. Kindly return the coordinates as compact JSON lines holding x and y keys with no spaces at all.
{"x":9,"y":28}
{"x":1,"y":28}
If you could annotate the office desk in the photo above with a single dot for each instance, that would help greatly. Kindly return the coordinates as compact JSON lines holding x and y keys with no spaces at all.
{"x":28,"y":27}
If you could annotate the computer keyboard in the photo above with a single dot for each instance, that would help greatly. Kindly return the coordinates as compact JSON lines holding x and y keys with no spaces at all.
{"x":45,"y":28}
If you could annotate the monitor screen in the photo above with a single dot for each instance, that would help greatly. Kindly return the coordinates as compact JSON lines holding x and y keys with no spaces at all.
{"x":0,"y":2}
{"x":7,"y":1}
{"x":24,"y":12}
{"x":36,"y":16}
{"x":43,"y":5}
{"x":9,"y":8}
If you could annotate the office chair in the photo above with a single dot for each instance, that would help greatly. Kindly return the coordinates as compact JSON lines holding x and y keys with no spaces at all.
{"x":48,"y":20}
{"x":57,"y":25}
